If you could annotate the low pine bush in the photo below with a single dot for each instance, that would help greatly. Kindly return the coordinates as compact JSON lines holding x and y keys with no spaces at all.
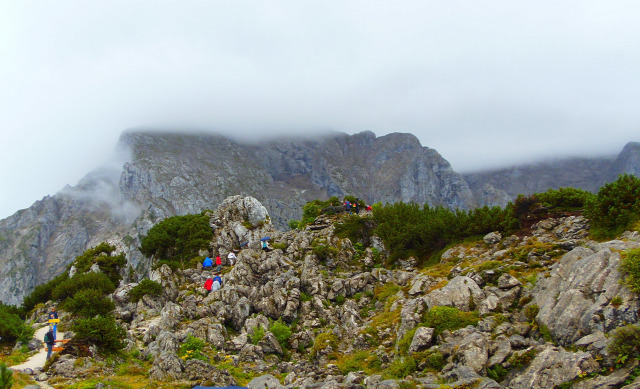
{"x":145,"y":287}
{"x":192,"y":349}
{"x":281,"y":331}
{"x":449,"y":318}
{"x":625,"y":341}
{"x":88,"y":303}
{"x":12,"y":327}
{"x":630,"y":267}
{"x":615,"y":207}
{"x":6,"y":376}
{"x":101,"y":331}
{"x":96,"y":281}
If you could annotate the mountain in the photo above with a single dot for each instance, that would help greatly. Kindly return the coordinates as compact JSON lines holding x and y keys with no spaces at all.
{"x":499,"y":186}
{"x":170,"y":174}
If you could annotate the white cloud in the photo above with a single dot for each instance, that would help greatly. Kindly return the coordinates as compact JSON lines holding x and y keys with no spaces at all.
{"x":483,"y":83}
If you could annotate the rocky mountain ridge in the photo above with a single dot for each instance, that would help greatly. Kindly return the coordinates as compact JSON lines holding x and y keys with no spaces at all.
{"x":499,"y":186}
{"x":534,"y":310}
{"x":175,"y":174}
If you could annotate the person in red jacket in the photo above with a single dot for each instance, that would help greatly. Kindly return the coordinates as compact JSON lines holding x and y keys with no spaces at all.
{"x":207,"y":284}
{"x":218,"y":263}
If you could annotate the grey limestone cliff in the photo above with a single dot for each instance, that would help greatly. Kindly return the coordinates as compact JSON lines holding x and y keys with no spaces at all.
{"x":498,"y":187}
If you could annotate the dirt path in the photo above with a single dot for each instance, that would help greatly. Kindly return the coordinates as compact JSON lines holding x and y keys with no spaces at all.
{"x":38,"y":359}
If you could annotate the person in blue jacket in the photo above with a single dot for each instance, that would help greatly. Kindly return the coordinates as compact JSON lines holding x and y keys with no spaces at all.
{"x":207,"y":263}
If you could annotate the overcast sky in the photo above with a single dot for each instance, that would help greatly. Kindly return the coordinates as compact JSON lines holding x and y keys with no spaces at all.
{"x":486,"y":83}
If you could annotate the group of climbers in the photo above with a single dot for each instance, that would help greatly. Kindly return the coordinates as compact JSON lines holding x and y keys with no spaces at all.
{"x":355,"y":206}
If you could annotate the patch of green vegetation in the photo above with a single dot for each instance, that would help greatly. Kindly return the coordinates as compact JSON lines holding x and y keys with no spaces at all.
{"x":257,"y":334}
{"x":88,"y":303}
{"x":280,"y":246}
{"x":564,"y":199}
{"x":323,"y":341}
{"x":630,"y":268}
{"x":531,"y":311}
{"x":521,"y":359}
{"x":177,"y":238}
{"x":357,"y":229}
{"x":80,"y":281}
{"x":102,"y":255}
{"x":101,"y":331}
{"x":282,"y":332}
{"x":12,"y":327}
{"x":145,"y":287}
{"x":364,"y":360}
{"x":625,"y":341}
{"x":497,"y":372}
{"x":400,"y":368}
{"x":192,"y":348}
{"x":449,"y":318}
{"x":383,"y":292}
{"x":324,"y":252}
{"x":615,"y":207}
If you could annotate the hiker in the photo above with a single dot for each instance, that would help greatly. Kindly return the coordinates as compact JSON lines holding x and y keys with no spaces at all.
{"x":217,"y":282}
{"x":218,"y":263}
{"x":49,"y":340}
{"x":347,"y":204}
{"x":357,"y":206}
{"x":368,"y":209}
{"x":54,"y":315}
{"x":208,"y":284}
{"x":207,"y":263}
{"x":231,"y":258}
{"x":265,"y":246}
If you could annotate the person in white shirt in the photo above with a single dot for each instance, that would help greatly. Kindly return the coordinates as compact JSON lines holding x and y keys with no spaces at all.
{"x":231,"y":258}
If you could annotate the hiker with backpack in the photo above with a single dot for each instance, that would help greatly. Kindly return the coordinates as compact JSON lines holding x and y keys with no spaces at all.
{"x":208,"y":285}
{"x":218,"y":263}
{"x":49,"y":340}
{"x":217,"y":282}
{"x":54,"y":315}
{"x":231,"y":258}
{"x":207,"y":263}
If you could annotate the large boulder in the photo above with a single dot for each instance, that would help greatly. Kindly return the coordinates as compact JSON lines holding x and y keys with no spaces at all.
{"x":575,"y":299}
{"x":554,"y":366}
{"x":461,"y":292}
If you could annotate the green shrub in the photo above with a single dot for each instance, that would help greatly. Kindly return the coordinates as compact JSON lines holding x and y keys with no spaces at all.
{"x":192,"y":349}
{"x":101,"y":331}
{"x":324,"y":252}
{"x":88,"y":303}
{"x":565,"y":199}
{"x":400,"y":368}
{"x":625,"y":341}
{"x":257,"y":335}
{"x":294,"y":224}
{"x":279,"y":246}
{"x":145,"y":287}
{"x":497,"y":372}
{"x":305,"y":297}
{"x":448,"y":318}
{"x":281,"y":331}
{"x":323,"y":341}
{"x":12,"y":327}
{"x":102,"y":256}
{"x":615,"y":207}
{"x":42,"y":293}
{"x":97,"y":281}
{"x":6,"y":376}
{"x":531,"y":311}
{"x":630,"y":268}
{"x":421,"y":231}
{"x":177,"y":238}
{"x":521,"y":359}
{"x":356,"y":228}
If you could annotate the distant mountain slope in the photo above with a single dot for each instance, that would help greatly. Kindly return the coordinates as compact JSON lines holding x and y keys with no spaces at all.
{"x":498,"y":187}
{"x":174,"y":174}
